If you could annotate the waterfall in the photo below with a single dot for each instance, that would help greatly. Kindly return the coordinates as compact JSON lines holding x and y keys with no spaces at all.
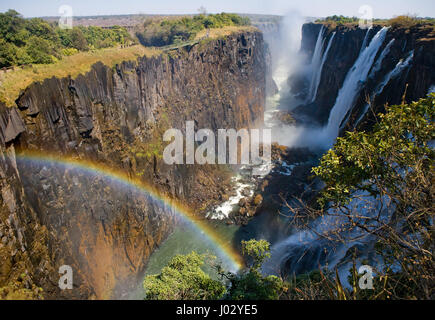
{"x":353,"y":83}
{"x":316,"y":61}
{"x":317,"y":76}
{"x":381,"y":58}
{"x":398,"y":69}
{"x":364,"y":44}
{"x":318,"y":244}
{"x":401,"y":65}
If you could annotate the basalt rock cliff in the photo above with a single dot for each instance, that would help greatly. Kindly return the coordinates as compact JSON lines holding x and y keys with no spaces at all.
{"x":403,"y":68}
{"x":53,"y":215}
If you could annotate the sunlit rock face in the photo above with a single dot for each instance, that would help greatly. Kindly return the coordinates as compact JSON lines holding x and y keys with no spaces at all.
{"x":52,"y":214}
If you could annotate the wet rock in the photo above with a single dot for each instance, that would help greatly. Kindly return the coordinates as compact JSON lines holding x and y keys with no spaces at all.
{"x":246,"y":192}
{"x":242,"y":202}
{"x":258,"y":199}
{"x":11,"y":124}
{"x":242,"y":211}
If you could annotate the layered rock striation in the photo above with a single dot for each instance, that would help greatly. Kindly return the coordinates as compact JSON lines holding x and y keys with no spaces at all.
{"x":52,"y":214}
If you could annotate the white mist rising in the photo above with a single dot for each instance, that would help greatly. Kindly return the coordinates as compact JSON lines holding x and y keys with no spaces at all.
{"x":288,"y":60}
{"x":324,"y":137}
{"x":285,"y":49}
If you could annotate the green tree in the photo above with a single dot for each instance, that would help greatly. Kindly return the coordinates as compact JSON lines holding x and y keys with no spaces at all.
{"x":183,"y":279}
{"x":40,"y":50}
{"x":174,"y":31}
{"x":12,"y":28}
{"x":78,"y":40}
{"x":8,"y":54}
{"x":251,"y":284}
{"x":40,"y":28}
{"x":388,"y":171}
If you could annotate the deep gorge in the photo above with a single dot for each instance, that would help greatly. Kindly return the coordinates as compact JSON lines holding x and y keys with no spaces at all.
{"x":57,"y":215}
{"x":116,"y":116}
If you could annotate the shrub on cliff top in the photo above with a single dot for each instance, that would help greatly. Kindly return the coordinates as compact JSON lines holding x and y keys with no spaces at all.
{"x":164,"y":32}
{"x":404,"y":21}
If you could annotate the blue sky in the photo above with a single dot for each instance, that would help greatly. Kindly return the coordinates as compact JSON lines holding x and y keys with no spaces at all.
{"x":381,"y":8}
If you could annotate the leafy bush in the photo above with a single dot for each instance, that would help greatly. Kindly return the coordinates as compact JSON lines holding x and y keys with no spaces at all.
{"x":174,"y":31}
{"x":69,"y":51}
{"x":339,"y":20}
{"x":25,"y":41}
{"x":8,"y":54}
{"x":40,"y":50}
{"x":403,"y":21}
{"x":251,"y":284}
{"x":389,"y":173}
{"x":183,"y":279}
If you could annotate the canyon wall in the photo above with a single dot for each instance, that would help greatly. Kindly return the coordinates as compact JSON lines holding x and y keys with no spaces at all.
{"x":51,"y":215}
{"x":403,"y":67}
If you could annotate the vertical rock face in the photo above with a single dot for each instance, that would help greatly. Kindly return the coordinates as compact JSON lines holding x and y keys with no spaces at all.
{"x":404,"y":60}
{"x":52,"y":214}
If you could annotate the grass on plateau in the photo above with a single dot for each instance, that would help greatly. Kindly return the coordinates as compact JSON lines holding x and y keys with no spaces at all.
{"x":224,"y":31}
{"x":13,"y":81}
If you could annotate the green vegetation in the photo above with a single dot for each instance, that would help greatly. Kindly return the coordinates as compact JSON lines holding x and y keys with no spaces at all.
{"x":251,"y":284}
{"x":165,"y":32}
{"x":407,"y":21}
{"x":13,"y":81}
{"x":392,"y":165}
{"x":338,"y":20}
{"x":183,"y":279}
{"x":403,"y":21}
{"x":18,"y":291}
{"x":35,"y":41}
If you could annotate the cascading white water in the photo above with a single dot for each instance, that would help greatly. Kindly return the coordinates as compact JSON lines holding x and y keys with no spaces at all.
{"x":317,"y":239}
{"x":364,"y":44}
{"x":305,"y":249}
{"x":318,"y":74}
{"x":398,"y":69}
{"x":381,"y":58}
{"x":377,"y":66}
{"x":353,"y":84}
{"x":400,"y":66}
{"x":316,"y":61}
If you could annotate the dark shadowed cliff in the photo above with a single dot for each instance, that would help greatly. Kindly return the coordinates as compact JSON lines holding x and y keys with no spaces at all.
{"x":403,"y":67}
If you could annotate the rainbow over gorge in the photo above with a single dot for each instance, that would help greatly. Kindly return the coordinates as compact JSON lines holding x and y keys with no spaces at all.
{"x":228,"y":253}
{"x":216,"y":157}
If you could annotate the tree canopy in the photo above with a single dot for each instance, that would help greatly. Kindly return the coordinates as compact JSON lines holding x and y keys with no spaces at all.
{"x":380,"y":184}
{"x":25,"y":41}
{"x":171,"y":31}
{"x":183,"y":279}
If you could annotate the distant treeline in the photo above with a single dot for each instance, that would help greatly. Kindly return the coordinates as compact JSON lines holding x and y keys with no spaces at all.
{"x":27,"y":41}
{"x":164,"y":32}
{"x":399,"y":21}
